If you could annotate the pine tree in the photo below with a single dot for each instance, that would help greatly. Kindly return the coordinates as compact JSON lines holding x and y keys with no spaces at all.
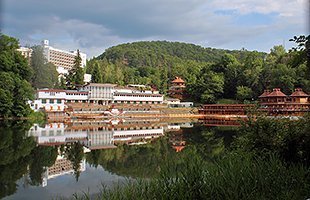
{"x":96,"y":74}
{"x":76,"y":74}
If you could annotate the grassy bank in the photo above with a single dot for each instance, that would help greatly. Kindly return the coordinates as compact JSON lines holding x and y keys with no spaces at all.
{"x":234,"y":176}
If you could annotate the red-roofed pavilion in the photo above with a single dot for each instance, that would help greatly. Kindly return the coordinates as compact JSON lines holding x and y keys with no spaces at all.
{"x":299,"y":96}
{"x":177,"y":88}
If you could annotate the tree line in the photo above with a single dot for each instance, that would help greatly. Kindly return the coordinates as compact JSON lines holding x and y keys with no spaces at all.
{"x":210,"y":74}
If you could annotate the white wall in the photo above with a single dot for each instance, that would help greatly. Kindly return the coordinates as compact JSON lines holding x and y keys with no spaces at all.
{"x":141,"y":97}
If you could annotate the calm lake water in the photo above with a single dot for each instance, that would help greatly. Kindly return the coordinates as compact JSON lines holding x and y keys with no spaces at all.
{"x":44,"y":161}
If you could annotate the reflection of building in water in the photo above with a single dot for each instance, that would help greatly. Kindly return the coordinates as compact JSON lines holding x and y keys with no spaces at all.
{"x":176,"y":138}
{"x":100,"y":139}
{"x":61,"y":167}
{"x":56,"y":134}
{"x":138,"y":132}
{"x":96,"y":134}
{"x":221,"y":121}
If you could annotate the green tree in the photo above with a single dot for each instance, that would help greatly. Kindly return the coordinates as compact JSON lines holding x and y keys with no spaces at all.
{"x":74,"y":153}
{"x":45,"y":74}
{"x":244,"y":93}
{"x":15,"y":154}
{"x":75,"y":75}
{"x":15,"y":73}
{"x":96,"y":73}
{"x":301,"y":52}
{"x":208,"y":87}
{"x":43,"y":157}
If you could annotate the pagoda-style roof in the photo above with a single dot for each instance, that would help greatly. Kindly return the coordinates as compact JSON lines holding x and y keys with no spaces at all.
{"x":276,"y":92}
{"x":265,"y":94}
{"x":178,"y":80}
{"x":299,"y":93}
{"x":178,"y":148}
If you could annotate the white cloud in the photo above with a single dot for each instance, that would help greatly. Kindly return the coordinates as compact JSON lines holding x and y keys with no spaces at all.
{"x":94,"y":26}
{"x":283,"y":7}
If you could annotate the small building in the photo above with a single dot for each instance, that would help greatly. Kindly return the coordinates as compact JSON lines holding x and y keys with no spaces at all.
{"x":299,"y":96}
{"x":177,"y":88}
{"x":277,"y":103}
{"x":276,"y":96}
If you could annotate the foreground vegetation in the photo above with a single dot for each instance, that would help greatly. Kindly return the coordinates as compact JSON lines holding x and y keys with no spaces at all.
{"x":234,"y":176}
{"x":267,"y":159}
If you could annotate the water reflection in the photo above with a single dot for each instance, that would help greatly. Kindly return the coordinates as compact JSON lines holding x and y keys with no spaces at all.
{"x":61,"y":167}
{"x":39,"y":153}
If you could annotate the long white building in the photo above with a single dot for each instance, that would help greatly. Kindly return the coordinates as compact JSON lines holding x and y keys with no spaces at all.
{"x":55,"y":100}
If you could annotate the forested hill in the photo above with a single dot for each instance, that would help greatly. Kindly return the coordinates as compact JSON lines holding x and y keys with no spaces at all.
{"x":154,"y":53}
{"x":210,"y":74}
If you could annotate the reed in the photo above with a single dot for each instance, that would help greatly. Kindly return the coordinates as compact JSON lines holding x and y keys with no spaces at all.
{"x":235,"y":176}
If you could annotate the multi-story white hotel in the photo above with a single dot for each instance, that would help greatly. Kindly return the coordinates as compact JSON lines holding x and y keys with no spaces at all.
{"x":64,"y":60}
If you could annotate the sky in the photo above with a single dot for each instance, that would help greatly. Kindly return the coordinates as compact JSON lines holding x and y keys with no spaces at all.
{"x":95,"y":25}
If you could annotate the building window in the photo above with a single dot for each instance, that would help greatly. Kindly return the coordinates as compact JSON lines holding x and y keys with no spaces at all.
{"x":58,"y":101}
{"x":51,"y":100}
{"x":43,"y":100}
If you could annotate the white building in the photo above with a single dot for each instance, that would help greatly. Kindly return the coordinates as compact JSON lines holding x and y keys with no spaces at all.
{"x":101,"y":93}
{"x":56,"y":99}
{"x":63,"y":60}
{"x":26,"y":52}
{"x":136,"y":94}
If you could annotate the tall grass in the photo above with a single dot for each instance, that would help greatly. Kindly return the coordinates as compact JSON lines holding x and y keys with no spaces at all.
{"x":234,"y":176}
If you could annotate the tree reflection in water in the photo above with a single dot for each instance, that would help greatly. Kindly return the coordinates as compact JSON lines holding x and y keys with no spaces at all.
{"x":37,"y":158}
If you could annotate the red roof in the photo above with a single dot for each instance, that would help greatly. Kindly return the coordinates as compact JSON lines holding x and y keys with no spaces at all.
{"x":276,"y":93}
{"x":178,"y":80}
{"x":265,"y":94}
{"x":51,"y":90}
{"x":178,"y":148}
{"x":299,"y":93}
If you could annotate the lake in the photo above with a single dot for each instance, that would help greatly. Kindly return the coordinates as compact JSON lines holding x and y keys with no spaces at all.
{"x":50,"y":160}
